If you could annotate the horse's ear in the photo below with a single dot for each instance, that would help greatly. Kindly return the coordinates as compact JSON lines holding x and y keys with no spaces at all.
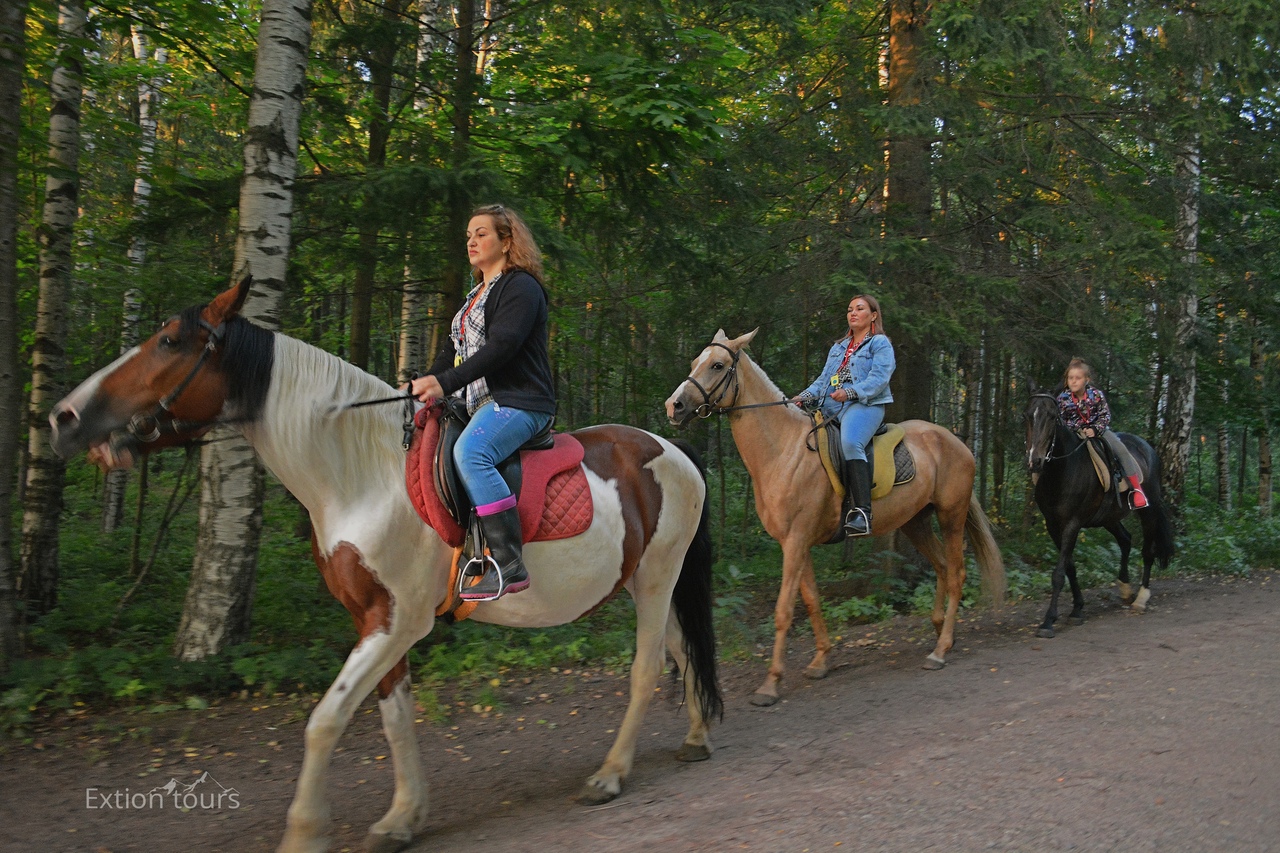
{"x":1033,"y":387}
{"x":228,"y":303}
{"x":720,"y":337}
{"x":741,"y":342}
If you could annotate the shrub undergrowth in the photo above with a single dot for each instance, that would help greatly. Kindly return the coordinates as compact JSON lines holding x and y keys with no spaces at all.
{"x":93,"y":650}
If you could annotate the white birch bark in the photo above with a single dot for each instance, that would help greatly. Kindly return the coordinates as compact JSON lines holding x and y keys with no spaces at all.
{"x":13,"y":17}
{"x":148,"y":119}
{"x":38,"y":584}
{"x":1175,"y":441}
{"x":218,"y":605}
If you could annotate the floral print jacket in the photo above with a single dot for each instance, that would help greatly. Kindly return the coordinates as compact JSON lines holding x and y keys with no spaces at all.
{"x":1092,"y":411}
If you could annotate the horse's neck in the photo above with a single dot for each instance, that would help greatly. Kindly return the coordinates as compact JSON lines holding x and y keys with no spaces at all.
{"x":769,"y":437}
{"x":327,"y":457}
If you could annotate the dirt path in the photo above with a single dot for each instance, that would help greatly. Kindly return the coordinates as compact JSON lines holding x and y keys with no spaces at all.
{"x":1157,"y":732}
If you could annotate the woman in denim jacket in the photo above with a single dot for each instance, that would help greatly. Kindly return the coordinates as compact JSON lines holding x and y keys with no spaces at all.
{"x":854,"y":387}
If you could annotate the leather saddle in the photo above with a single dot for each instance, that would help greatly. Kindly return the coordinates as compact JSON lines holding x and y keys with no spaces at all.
{"x":888,"y":455}
{"x":449,"y":483}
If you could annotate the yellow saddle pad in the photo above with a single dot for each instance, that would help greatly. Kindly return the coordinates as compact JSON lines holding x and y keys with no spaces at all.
{"x":882,"y":447}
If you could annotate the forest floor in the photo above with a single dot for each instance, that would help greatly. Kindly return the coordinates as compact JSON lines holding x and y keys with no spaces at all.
{"x":1157,"y":732}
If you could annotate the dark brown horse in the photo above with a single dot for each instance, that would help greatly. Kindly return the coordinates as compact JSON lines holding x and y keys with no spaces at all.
{"x":1071,"y":498}
{"x":648,"y":533}
{"x":799,"y":508}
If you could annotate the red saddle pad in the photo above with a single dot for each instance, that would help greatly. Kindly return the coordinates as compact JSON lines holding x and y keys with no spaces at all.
{"x":555,"y":498}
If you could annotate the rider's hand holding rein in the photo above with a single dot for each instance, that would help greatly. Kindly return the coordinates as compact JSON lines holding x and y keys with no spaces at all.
{"x":426,"y":388}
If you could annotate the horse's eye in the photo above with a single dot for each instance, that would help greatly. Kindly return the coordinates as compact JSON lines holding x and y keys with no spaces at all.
{"x":717,"y":366}
{"x":168,"y":342}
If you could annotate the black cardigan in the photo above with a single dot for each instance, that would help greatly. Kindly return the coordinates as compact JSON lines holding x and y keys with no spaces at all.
{"x":514,"y":358}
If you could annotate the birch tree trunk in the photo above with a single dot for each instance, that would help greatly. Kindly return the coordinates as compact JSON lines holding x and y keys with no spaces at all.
{"x":45,"y":471}
{"x":462,"y":98}
{"x":1256,"y":362}
{"x":1175,"y":441}
{"x":13,"y":16}
{"x":416,"y":305}
{"x":148,"y":105}
{"x":218,"y":605}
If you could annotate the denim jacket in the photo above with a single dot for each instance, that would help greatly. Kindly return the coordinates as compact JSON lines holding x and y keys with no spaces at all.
{"x":865,"y":377}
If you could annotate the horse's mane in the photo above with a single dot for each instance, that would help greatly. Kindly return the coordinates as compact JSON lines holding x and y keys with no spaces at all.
{"x":248,"y":355}
{"x":308,"y":418}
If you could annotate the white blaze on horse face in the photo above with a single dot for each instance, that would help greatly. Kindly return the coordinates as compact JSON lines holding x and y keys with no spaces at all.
{"x":79,"y":398}
{"x":683,"y":388}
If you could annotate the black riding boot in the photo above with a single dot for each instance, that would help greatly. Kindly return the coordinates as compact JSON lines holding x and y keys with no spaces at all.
{"x":857,"y":474}
{"x":502,"y":535}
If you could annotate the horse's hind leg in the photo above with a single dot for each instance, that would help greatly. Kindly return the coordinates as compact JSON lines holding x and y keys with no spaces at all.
{"x":1125,"y":541}
{"x":697,"y":743}
{"x":947,"y":557}
{"x":652,"y":607}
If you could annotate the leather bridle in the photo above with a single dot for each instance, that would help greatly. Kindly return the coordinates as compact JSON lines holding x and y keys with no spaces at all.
{"x":147,"y":427}
{"x":720,"y":389}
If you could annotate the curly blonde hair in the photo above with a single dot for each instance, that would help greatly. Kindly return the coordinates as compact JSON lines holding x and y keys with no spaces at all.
{"x":522,"y":251}
{"x":1080,"y":364}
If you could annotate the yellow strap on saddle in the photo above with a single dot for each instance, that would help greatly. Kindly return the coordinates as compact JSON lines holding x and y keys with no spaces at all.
{"x":824,"y":453}
{"x":453,"y":602}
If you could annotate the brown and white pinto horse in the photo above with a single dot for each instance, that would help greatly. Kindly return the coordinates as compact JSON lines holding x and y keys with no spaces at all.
{"x":799,"y":508}
{"x":649,"y":533}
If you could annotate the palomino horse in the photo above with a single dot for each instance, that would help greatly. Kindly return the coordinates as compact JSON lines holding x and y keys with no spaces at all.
{"x":1071,"y":497}
{"x":799,"y":508}
{"x":649,"y":533}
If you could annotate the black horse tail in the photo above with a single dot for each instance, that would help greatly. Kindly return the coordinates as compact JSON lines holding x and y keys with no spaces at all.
{"x":1162,"y":535}
{"x":692,"y":602}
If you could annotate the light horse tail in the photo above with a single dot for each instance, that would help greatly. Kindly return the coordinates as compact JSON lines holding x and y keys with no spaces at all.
{"x":986,"y":553}
{"x":692,"y":604}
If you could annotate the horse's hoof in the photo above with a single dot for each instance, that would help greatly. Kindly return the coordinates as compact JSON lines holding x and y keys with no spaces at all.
{"x":692,"y":752}
{"x":377,"y":842}
{"x":933,"y":664}
{"x":1047,"y":633}
{"x":1138,"y":608}
{"x":590,"y":795}
{"x":763,"y":700}
{"x":1076,"y":620}
{"x":816,"y":672}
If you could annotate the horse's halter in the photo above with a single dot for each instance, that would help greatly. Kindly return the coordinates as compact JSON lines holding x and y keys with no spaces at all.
{"x":147,"y":427}
{"x":1053,"y":440}
{"x":708,"y":406}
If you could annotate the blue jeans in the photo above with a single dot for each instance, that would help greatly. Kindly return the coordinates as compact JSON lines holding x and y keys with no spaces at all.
{"x":493,"y":434}
{"x":858,"y":422}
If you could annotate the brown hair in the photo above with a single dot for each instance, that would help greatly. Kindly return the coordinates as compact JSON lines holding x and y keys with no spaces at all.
{"x":1078,"y":363}
{"x":877,"y":325}
{"x":522,"y":252}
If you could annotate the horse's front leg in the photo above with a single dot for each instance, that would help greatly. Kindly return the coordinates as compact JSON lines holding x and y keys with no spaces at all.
{"x":307,"y":825}
{"x":1064,"y":567}
{"x":817,"y":667}
{"x":795,"y":557}
{"x":408,"y":813}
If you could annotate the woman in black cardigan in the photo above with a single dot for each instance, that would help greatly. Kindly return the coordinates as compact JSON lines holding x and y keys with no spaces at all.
{"x":496,"y":357}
